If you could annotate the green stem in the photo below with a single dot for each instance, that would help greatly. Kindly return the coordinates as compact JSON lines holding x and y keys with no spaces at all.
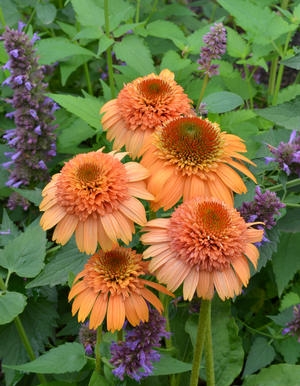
{"x":2,"y":20}
{"x":97,"y":349}
{"x":137,"y":12}
{"x":88,"y":78}
{"x":201,"y":334}
{"x":209,"y":357}
{"x":204,"y":84}
{"x":272,"y":78}
{"x":289,"y":184}
{"x":24,"y":338}
{"x":109,"y":52}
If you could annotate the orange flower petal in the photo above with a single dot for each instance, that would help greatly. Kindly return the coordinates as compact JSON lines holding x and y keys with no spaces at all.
{"x":65,"y":229}
{"x":115,"y":313}
{"x":98,"y":312}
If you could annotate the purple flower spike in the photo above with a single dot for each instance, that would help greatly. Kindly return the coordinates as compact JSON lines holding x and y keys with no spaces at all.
{"x":134,"y":356}
{"x":293,"y":327}
{"x":32,"y":141}
{"x":264,"y":208}
{"x":215,"y":47}
{"x":287,"y":155}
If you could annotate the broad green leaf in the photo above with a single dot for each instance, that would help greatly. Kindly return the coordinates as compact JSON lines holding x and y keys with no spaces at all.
{"x":104,"y":43}
{"x":261,"y":354}
{"x":290,"y":222}
{"x":56,"y":49}
{"x":227,"y":345}
{"x":38,"y":320}
{"x":11,"y":305}
{"x":3,"y":53}
{"x":68,"y":259}
{"x":286,"y":262}
{"x":71,"y":134}
{"x":167,"y":30}
{"x":25,"y":254}
{"x":9,"y":229}
{"x":289,"y":348}
{"x":220,"y":102}
{"x":71,"y":65}
{"x":236,"y":46}
{"x":88,"y":12}
{"x":293,"y":62}
{"x":195,"y":40}
{"x":288,"y":93}
{"x":132,"y":50}
{"x":289,"y":299}
{"x":32,"y":195}
{"x":276,"y":375}
{"x":120,"y":11}
{"x":174,"y":62}
{"x":261,"y":24}
{"x":267,"y":250}
{"x":286,"y":114}
{"x":98,"y":379}
{"x":169,"y":365}
{"x":45,"y":12}
{"x":65,"y":358}
{"x":85,"y":108}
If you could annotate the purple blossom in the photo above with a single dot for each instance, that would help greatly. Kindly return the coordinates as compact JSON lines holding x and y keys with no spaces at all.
{"x":264,"y":208}
{"x":287,"y":154}
{"x":215,"y":47}
{"x":87,"y":337}
{"x":134,"y":356}
{"x":33,"y":139}
{"x":293,"y":327}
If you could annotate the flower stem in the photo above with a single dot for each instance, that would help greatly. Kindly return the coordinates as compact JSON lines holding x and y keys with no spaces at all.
{"x":97,"y":349}
{"x":209,"y":357}
{"x":24,"y":337}
{"x":201,"y":335}
{"x":289,"y":184}
{"x":203,"y":88}
{"x":109,"y":52}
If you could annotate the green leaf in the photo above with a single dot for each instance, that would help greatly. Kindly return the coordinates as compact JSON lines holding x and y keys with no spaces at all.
{"x":261,"y":354}
{"x":32,"y":195}
{"x":293,"y":62}
{"x":68,"y":259}
{"x":289,"y":348}
{"x":45,"y":12}
{"x":71,"y":65}
{"x":288,"y":93}
{"x":65,"y":358}
{"x":227,"y":345}
{"x":286,"y":262}
{"x":98,"y":379}
{"x":11,"y":305}
{"x":276,"y":375}
{"x":174,"y":62}
{"x":286,"y":114}
{"x":72,"y":133}
{"x":220,"y":102}
{"x":128,"y":49}
{"x":56,"y":49}
{"x":290,"y":222}
{"x":85,"y":108}
{"x":94,"y":16}
{"x":9,"y":229}
{"x":267,"y":250}
{"x":25,"y":254}
{"x":167,"y":30}
{"x":169,"y":365}
{"x":262,"y":25}
{"x":236,"y":47}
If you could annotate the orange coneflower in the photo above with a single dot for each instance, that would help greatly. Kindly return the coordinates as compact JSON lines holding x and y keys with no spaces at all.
{"x":140,"y":107}
{"x":191,"y":156}
{"x":110,"y":285}
{"x":94,"y":196}
{"x":204,"y":245}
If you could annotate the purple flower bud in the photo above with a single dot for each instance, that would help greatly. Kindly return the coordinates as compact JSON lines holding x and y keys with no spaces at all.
{"x":293,"y":327}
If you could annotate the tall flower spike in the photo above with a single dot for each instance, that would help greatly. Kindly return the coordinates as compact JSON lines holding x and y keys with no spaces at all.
{"x":134,"y":356}
{"x":140,"y":107}
{"x":204,"y":246}
{"x":94,"y":195}
{"x":190,"y":156}
{"x":33,"y":139}
{"x":293,"y":327}
{"x":287,"y":154}
{"x":215,"y":47}
{"x":264,"y":208}
{"x":111,"y":286}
